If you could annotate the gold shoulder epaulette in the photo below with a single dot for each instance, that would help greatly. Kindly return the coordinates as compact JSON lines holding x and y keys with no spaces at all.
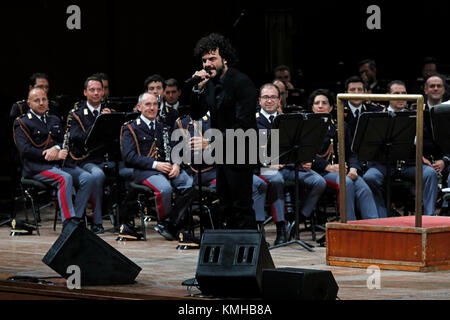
{"x":76,"y":106}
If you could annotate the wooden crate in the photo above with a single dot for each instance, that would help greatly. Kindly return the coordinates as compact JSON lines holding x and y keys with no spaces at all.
{"x":388,"y":246}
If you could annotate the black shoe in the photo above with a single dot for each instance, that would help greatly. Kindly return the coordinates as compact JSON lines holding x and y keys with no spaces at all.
{"x":79,"y":222}
{"x":281,"y":233}
{"x":127,"y":233}
{"x":164,"y":231}
{"x":97,"y":228}
{"x":20,"y":228}
{"x":187,"y":241}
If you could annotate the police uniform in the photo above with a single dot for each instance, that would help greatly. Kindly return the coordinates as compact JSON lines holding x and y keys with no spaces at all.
{"x":377,"y":171}
{"x":274,"y":179}
{"x":32,"y":136}
{"x":350,"y":118}
{"x":356,"y":190}
{"x":141,"y":147}
{"x":313,"y":181}
{"x":192,"y":129}
{"x":81,"y":123}
{"x":168,"y":115}
{"x":431,"y":150}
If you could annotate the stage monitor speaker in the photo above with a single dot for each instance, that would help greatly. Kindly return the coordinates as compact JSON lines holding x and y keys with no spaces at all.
{"x":99,"y":263}
{"x":231,"y":263}
{"x":299,"y":284}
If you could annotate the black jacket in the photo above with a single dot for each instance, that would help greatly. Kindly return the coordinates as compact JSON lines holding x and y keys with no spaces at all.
{"x":231,"y":102}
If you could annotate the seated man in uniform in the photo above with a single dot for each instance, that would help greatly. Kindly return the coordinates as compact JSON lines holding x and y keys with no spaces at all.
{"x":270,"y":102}
{"x":377,"y":171}
{"x":39,"y":139}
{"x":82,"y":121}
{"x":144,"y":150}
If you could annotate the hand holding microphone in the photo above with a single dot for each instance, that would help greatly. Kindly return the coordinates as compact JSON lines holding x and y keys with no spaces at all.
{"x":200,"y":78}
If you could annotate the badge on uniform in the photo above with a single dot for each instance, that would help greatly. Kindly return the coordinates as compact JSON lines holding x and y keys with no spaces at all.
{"x":205,"y":118}
{"x":257,"y":115}
{"x":30,"y":116}
{"x":138,"y":122}
{"x":86,"y":112}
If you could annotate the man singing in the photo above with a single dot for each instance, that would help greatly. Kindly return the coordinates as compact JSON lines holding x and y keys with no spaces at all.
{"x":230,"y":97}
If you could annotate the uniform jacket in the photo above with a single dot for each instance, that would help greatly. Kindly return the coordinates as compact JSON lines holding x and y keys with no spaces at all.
{"x":32,"y":137}
{"x":187,"y":124}
{"x":80,"y":126}
{"x":350,"y":119}
{"x":431,"y":150}
{"x":329,"y":154}
{"x":141,"y":148}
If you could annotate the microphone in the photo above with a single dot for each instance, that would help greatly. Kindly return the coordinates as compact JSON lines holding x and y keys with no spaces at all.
{"x":195,"y":79}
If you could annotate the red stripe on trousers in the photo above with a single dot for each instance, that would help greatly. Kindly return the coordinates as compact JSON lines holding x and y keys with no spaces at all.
{"x":159,"y":202}
{"x":62,"y":191}
{"x":269,"y":199}
{"x":335,"y":186}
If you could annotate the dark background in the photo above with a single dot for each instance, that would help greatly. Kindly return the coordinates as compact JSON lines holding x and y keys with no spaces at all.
{"x":130,"y":40}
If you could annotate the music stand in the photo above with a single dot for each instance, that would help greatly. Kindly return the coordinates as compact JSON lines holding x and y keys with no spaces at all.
{"x":105,"y":132}
{"x":105,"y":135}
{"x":385,"y":137}
{"x":301,"y":137}
{"x":440,"y":124}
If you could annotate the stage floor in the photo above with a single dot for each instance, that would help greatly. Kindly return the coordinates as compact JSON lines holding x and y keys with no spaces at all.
{"x":164,"y":268}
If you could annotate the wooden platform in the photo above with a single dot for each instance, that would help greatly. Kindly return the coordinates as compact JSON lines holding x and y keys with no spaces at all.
{"x":391,"y":243}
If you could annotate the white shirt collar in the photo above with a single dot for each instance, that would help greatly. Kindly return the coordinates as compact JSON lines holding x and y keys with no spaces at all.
{"x":38,"y":116}
{"x":267,"y":115}
{"x":390,"y":109}
{"x":147,"y":121}
{"x":91,"y":108}
{"x":353,"y":108}
{"x":175,"y":106}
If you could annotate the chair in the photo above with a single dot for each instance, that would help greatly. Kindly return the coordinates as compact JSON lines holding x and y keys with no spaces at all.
{"x":144,"y":196}
{"x":33,"y":191}
{"x":402,"y":195}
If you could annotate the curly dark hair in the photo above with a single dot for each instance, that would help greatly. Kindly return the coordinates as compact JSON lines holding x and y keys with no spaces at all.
{"x":213,"y":42}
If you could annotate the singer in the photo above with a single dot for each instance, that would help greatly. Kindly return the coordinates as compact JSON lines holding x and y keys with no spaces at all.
{"x":231,"y":98}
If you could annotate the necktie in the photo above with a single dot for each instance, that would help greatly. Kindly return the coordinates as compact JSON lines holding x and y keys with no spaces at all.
{"x":152,"y":127}
{"x":43,"y":119}
{"x":357,"y":113}
{"x":95,"y":113}
{"x":271,"y":119}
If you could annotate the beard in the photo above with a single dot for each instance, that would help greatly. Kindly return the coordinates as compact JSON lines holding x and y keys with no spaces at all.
{"x":220,"y":70}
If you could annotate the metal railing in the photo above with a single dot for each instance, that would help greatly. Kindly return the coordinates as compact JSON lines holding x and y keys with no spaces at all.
{"x":419,"y":144}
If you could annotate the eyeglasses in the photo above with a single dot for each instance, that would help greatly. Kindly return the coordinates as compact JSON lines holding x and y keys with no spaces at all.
{"x":269,"y":97}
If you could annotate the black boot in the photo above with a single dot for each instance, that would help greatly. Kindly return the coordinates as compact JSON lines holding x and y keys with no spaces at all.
{"x":281,"y":233}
